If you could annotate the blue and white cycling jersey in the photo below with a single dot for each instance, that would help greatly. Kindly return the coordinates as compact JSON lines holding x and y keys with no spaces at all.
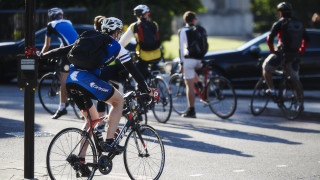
{"x":90,"y":80}
{"x":64,"y":30}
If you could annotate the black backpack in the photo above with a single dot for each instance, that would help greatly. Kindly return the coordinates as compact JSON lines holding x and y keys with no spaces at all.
{"x":89,"y":50}
{"x":292,"y":34}
{"x":197,"y":42}
{"x":148,"y":35}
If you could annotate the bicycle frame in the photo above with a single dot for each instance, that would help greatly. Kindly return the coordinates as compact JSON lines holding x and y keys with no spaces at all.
{"x":205,"y":83}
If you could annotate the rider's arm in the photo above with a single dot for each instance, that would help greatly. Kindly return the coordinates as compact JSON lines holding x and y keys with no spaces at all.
{"x":126,"y":37}
{"x":58,"y":52}
{"x":182,"y":42}
{"x":274,"y":31}
{"x":126,"y":61}
{"x":46,"y":46}
{"x":305,"y":42}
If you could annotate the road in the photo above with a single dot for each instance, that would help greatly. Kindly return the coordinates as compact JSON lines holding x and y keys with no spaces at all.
{"x":243,"y":147}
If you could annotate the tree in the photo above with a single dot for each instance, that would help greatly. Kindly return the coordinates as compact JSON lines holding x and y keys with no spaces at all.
{"x":265,"y":12}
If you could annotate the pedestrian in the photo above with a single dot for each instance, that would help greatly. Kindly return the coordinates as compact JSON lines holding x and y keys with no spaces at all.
{"x":293,"y":41}
{"x":190,"y":58}
{"x":66,"y":33}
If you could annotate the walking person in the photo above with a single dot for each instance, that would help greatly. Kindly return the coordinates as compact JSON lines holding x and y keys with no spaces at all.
{"x":190,"y":57}
{"x":65,"y":32}
{"x":293,"y":41}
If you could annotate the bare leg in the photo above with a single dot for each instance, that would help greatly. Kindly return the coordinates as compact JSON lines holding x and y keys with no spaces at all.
{"x":63,"y":89}
{"x":268,"y":77}
{"x":94,"y":115}
{"x":190,"y":92}
{"x":115,"y":113}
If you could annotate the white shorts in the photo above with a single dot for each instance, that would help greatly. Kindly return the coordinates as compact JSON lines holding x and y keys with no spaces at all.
{"x":189,"y":66}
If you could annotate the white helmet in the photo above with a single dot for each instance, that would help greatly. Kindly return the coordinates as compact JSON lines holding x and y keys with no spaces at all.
{"x":54,"y":13}
{"x":140,"y":10}
{"x":111,"y":24}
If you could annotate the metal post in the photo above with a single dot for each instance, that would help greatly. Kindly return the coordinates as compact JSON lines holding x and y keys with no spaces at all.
{"x":29,"y":97}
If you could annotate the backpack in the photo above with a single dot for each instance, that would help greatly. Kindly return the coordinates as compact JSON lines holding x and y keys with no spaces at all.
{"x":292,"y":34}
{"x":197,"y":42}
{"x":89,"y":50}
{"x":148,"y":35}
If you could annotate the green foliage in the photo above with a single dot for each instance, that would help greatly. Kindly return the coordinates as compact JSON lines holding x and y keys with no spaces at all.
{"x":265,"y":12}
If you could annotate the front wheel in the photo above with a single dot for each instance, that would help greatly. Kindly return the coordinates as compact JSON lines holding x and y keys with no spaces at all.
{"x":63,"y":155}
{"x":162,"y":110}
{"x":49,"y":92}
{"x":289,"y":96}
{"x":221,"y":97}
{"x":259,"y":98}
{"x":144,"y":156}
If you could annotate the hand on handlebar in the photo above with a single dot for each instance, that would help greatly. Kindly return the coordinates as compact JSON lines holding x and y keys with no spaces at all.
{"x":32,"y":50}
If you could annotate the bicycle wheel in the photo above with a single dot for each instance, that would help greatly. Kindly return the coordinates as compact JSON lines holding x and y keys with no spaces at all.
{"x":178,"y":91}
{"x":221,"y":97}
{"x":289,"y":98}
{"x":62,"y":155}
{"x":162,"y":110}
{"x":49,"y":92}
{"x":144,"y":156}
{"x":259,"y":99}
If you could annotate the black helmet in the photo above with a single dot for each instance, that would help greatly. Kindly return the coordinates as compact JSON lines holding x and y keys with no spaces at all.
{"x":284,"y":7}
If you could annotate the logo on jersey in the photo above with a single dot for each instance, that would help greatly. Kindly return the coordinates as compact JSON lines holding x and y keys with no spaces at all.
{"x":93,"y":85}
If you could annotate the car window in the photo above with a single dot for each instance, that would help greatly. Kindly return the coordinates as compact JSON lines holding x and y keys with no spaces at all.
{"x":314,"y":41}
{"x":264,"y":46}
{"x":41,"y":36}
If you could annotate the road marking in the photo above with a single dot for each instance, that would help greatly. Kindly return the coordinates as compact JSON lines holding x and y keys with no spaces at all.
{"x":196,"y":175}
{"x":282,"y":165}
{"x":238,"y":170}
{"x":36,"y":134}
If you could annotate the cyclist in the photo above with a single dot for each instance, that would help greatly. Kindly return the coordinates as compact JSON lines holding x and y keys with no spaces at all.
{"x":189,"y":63}
{"x":84,"y":85}
{"x":146,"y":34}
{"x":293,"y":41}
{"x":65,"y":32}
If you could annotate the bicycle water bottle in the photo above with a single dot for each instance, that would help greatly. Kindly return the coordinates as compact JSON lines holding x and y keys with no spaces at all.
{"x":116,"y":133}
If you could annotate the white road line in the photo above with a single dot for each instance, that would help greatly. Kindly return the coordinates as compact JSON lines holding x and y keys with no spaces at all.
{"x":238,"y":170}
{"x":196,"y":175}
{"x":282,"y":165}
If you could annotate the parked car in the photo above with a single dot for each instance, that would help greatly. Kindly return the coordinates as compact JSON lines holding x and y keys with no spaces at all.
{"x":240,"y":65}
{"x":10,"y":50}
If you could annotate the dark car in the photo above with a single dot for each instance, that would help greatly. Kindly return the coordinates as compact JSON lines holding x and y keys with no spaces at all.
{"x":240,"y":65}
{"x":10,"y":50}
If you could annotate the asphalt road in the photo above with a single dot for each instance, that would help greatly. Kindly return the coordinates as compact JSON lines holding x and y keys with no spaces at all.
{"x":243,"y":147}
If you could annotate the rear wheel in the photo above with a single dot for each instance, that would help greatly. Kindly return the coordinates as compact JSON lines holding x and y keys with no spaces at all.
{"x":49,"y":92}
{"x":289,"y":96}
{"x":178,"y":92}
{"x":259,"y":98}
{"x":162,"y":109}
{"x":63,"y":155}
{"x":221,"y":97}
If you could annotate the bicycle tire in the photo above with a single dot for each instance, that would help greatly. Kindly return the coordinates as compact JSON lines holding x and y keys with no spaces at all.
{"x":61,"y":148}
{"x":221,"y":97}
{"x":259,"y":98}
{"x":178,"y":93}
{"x":140,"y":156}
{"x":162,"y":110}
{"x":49,"y":92}
{"x":288,"y":94}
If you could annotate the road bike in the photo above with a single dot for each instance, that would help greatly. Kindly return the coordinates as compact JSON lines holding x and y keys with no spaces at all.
{"x":216,"y":92}
{"x":49,"y":91}
{"x":286,"y":96}
{"x":144,"y":155}
{"x":162,"y":110}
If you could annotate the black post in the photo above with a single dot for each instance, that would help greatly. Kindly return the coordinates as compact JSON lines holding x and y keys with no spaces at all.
{"x":29,"y":97}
